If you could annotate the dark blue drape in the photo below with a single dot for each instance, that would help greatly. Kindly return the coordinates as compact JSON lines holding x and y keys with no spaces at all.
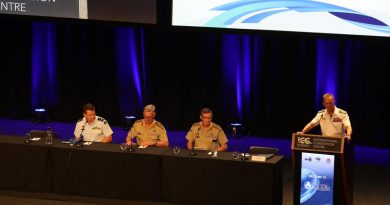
{"x":43,"y":65}
{"x":271,"y":83}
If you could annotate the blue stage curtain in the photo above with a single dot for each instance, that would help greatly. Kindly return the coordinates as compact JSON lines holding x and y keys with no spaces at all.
{"x":273,"y":83}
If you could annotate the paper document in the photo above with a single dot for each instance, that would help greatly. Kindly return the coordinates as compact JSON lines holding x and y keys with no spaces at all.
{"x":87,"y":143}
{"x":261,"y":157}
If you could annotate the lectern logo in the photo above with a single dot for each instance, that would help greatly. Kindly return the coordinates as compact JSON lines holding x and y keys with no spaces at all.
{"x":304,"y":140}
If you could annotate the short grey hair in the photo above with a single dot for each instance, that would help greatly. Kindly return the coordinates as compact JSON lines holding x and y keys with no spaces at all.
{"x":328,"y":95}
{"x":150,"y":108}
{"x":206,"y":110}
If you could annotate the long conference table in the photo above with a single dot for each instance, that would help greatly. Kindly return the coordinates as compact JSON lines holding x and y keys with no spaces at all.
{"x":150,"y":174}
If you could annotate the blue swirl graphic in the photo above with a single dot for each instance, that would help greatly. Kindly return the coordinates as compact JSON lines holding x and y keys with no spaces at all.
{"x":309,"y":184}
{"x":258,"y":10}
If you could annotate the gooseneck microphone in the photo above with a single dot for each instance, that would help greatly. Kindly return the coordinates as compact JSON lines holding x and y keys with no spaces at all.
{"x":80,"y":141}
{"x":131,"y":149}
{"x":192,"y":153}
{"x":339,"y":131}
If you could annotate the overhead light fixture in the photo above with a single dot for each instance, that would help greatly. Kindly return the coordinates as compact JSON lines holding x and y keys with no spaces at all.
{"x":128,"y":122}
{"x":40,"y":115}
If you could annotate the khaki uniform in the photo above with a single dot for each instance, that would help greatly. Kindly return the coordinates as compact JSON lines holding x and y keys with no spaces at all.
{"x":155,"y":133}
{"x":208,"y":139}
{"x":93,"y":132}
{"x":332,"y":125}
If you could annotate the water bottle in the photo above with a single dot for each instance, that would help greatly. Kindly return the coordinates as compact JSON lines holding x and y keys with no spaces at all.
{"x":49,"y":136}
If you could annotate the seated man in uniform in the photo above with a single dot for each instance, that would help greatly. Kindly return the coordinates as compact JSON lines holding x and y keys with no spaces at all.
{"x":205,"y":134}
{"x":93,"y":128}
{"x":148,"y":131}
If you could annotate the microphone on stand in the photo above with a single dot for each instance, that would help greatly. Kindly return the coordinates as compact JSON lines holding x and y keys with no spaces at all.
{"x":339,"y":131}
{"x":131,"y":147}
{"x":192,"y":153}
{"x":80,"y":141}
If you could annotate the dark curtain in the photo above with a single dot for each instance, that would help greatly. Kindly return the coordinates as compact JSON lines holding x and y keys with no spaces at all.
{"x":267,"y":82}
{"x":15,"y":60}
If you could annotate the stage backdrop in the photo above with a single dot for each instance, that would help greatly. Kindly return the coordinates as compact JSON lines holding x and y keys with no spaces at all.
{"x":271,"y":83}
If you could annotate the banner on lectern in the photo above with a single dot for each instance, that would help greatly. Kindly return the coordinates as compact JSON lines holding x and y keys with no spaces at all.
{"x":317,"y":143}
{"x":317,"y":179}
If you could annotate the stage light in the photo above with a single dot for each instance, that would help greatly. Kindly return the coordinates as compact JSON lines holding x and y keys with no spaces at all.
{"x":235,"y":130}
{"x":128,"y":122}
{"x":40,"y":115}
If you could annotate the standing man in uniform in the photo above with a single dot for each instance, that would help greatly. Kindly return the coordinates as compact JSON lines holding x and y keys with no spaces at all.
{"x":333,"y":121}
{"x":206,"y":134}
{"x":93,"y":128}
{"x":148,"y":131}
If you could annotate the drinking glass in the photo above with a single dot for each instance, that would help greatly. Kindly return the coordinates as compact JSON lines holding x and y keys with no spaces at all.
{"x":235,"y":155}
{"x":123,"y":146}
{"x":176,"y":149}
{"x":72,"y":141}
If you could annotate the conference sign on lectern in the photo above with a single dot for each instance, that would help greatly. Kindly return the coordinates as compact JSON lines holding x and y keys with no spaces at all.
{"x":317,"y":143}
{"x":316,"y":172}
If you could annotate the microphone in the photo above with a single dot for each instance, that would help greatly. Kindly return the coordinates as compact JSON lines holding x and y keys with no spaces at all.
{"x":80,"y":141}
{"x":131,"y":147}
{"x":192,"y":153}
{"x":339,"y":131}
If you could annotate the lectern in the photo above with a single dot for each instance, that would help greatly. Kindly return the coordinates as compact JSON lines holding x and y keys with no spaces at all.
{"x":320,"y":170}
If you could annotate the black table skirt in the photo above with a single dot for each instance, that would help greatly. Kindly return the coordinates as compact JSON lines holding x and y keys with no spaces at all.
{"x":205,"y":180}
{"x":24,"y":167}
{"x":151,"y":174}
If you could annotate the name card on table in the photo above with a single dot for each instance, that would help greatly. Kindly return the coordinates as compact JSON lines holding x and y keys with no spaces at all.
{"x":261,"y":157}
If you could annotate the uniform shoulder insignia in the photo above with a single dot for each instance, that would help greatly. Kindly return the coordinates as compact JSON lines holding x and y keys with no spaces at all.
{"x":102,"y":120}
{"x":136,"y":123}
{"x":158,"y":124}
{"x":196,"y":124}
{"x":216,"y":126}
{"x":80,"y":119}
{"x":342,"y":111}
{"x":321,"y":111}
